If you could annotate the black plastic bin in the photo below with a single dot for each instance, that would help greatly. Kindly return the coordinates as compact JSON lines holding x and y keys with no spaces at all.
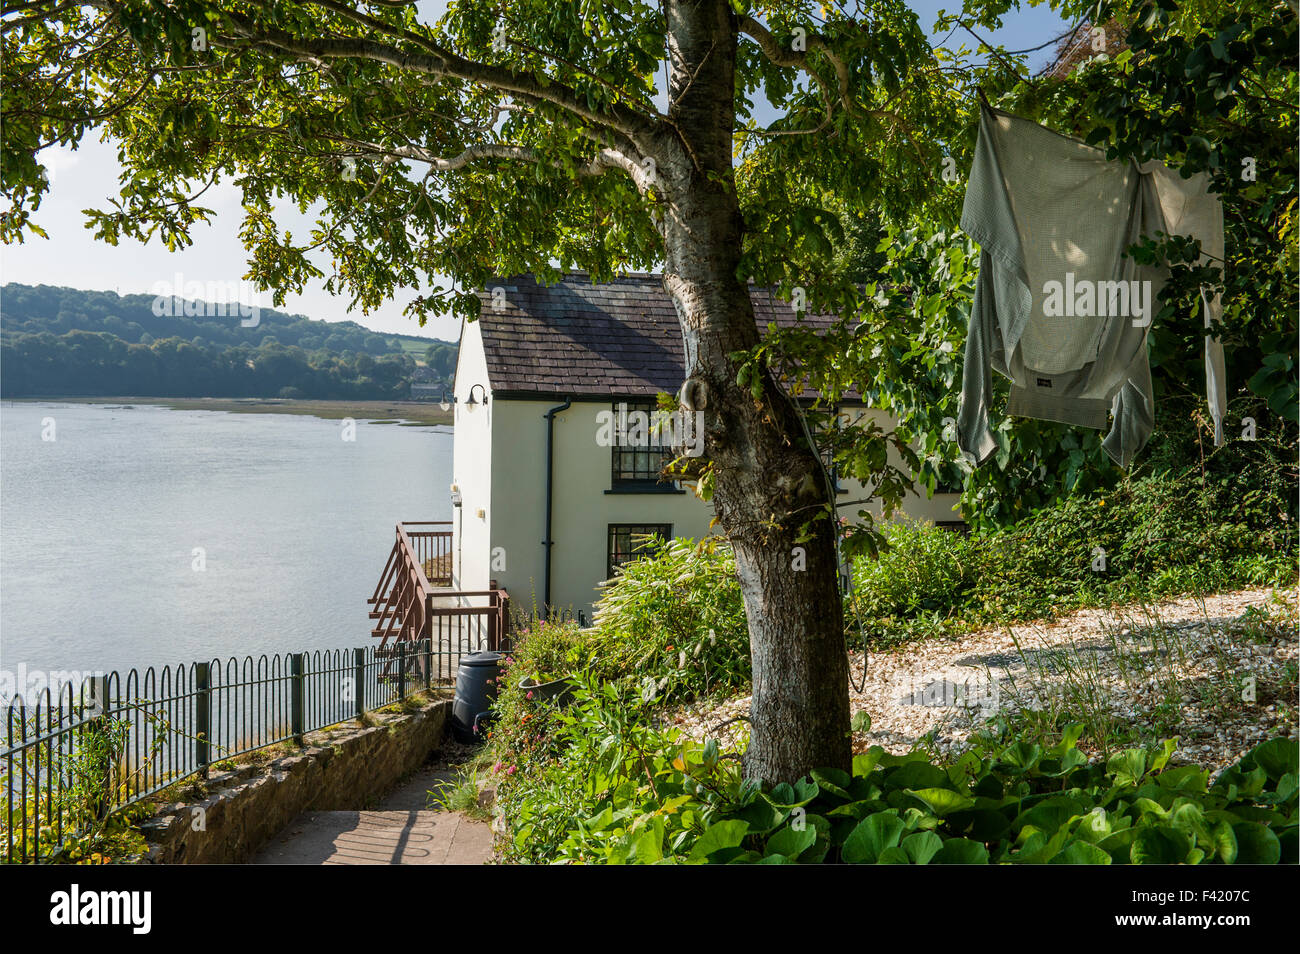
{"x":476,"y":690}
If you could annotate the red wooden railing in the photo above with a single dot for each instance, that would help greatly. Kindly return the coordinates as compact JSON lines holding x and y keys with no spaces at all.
{"x":432,"y":548}
{"x":400,"y":601}
{"x":414,"y":600}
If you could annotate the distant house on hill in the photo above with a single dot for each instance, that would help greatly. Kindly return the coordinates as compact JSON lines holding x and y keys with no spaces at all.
{"x":426,"y":385}
{"x":544,"y":505}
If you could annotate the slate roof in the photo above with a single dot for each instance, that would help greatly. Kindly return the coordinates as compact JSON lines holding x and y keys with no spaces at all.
{"x":585,"y":340}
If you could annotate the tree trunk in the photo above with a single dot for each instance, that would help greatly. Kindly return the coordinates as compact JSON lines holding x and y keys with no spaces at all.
{"x":768,"y":483}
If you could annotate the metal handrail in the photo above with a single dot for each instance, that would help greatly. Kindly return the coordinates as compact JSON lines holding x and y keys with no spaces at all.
{"x":79,"y":754}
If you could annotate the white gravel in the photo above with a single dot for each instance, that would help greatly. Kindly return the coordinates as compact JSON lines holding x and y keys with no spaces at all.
{"x":1180,"y":668}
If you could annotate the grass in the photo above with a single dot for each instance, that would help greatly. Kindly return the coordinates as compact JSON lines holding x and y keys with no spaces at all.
{"x":462,"y":794}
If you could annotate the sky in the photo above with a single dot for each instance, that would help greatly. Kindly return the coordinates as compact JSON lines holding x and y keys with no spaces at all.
{"x":87,"y":177}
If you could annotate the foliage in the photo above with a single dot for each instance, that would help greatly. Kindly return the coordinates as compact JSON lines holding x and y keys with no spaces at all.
{"x":1024,"y":805}
{"x":622,"y":791}
{"x":89,"y":815}
{"x":1199,"y":90}
{"x":1160,"y":536}
{"x":671,"y":621}
{"x":670,"y":628}
{"x":675,"y":620}
{"x":441,"y":358}
{"x":609,"y":760}
{"x":60,"y":341}
{"x":46,"y":309}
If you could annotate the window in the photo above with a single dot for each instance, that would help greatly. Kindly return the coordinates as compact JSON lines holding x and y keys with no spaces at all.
{"x":627,"y":541}
{"x":636,"y":458}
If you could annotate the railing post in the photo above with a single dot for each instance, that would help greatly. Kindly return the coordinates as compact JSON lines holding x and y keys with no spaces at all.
{"x":202,"y":717}
{"x":296,"y":696}
{"x":101,"y":760}
{"x":401,"y":670}
{"x":359,"y":679}
{"x":428,"y":658}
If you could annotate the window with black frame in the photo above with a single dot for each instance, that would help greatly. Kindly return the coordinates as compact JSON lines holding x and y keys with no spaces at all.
{"x":636,"y":466}
{"x":629,"y":541}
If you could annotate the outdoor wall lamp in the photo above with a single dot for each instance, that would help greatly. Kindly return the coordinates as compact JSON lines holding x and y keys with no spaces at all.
{"x":447,"y":402}
{"x":470,"y":402}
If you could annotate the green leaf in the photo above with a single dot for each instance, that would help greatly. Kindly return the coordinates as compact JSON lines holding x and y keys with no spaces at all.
{"x":724,"y":834}
{"x":922,"y":846}
{"x":833,"y":781}
{"x":1256,"y":845}
{"x":1225,"y":842}
{"x":786,"y":795}
{"x":916,"y":776}
{"x":1185,"y":778}
{"x":942,"y":801}
{"x":761,"y":815}
{"x":864,"y":762}
{"x":1128,"y":766}
{"x":1161,"y":758}
{"x":791,"y":843}
{"x":961,"y":851}
{"x":1276,"y":757}
{"x":1157,"y":845}
{"x":1081,"y":853}
{"x":872,"y":835}
{"x":648,"y":847}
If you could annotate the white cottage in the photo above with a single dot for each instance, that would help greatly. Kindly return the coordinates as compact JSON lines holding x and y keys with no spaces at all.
{"x":542,"y":506}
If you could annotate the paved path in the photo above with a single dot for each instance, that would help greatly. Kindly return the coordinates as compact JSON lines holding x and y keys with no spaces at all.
{"x":401,"y":831}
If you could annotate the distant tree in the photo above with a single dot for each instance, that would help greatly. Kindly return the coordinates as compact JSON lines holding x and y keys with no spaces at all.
{"x":441,"y":358}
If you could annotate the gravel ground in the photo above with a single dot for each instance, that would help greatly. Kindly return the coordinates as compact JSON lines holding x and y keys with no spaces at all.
{"x":1220,"y":674}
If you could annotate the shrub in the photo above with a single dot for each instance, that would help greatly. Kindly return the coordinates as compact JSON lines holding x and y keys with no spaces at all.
{"x":627,"y":793}
{"x":1160,"y":535}
{"x":676,"y":619}
{"x":521,"y":734}
{"x":594,"y":747}
{"x":669,"y":628}
{"x":1025,"y":805}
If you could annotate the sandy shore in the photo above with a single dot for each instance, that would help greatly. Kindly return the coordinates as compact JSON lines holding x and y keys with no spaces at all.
{"x":397,"y":412}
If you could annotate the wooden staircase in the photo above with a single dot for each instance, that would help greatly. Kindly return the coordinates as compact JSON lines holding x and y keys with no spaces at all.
{"x":414,"y":601}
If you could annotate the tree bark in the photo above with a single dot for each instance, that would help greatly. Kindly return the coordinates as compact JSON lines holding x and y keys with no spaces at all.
{"x":768,"y":483}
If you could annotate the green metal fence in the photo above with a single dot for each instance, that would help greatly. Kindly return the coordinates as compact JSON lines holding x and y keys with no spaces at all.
{"x":81,"y":753}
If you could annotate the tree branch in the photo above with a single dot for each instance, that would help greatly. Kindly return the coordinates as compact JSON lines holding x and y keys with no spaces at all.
{"x":781,"y":56}
{"x":436,"y":61}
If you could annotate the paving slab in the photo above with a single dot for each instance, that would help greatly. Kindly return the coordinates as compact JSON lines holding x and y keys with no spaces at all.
{"x":380,"y":838}
{"x":404,"y":829}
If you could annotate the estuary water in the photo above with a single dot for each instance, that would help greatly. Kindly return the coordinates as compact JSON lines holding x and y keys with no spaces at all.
{"x":140,"y":535}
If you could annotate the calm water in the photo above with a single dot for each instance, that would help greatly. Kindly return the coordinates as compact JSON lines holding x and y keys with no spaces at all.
{"x":98,"y":530}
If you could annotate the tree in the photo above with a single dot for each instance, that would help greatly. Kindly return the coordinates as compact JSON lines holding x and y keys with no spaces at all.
{"x":504,"y":139}
{"x":441,"y":358}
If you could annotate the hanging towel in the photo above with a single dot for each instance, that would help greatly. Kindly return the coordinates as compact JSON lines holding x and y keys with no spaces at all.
{"x":1058,"y":308}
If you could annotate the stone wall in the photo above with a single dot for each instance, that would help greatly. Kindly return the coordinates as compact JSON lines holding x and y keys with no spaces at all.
{"x":338,"y":769}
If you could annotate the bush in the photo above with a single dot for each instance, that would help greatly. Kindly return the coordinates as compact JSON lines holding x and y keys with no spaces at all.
{"x":521,"y":735}
{"x":669,"y":628}
{"x":625,"y":792}
{"x":588,"y":752}
{"x":675,"y":619}
{"x":1160,"y":536}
